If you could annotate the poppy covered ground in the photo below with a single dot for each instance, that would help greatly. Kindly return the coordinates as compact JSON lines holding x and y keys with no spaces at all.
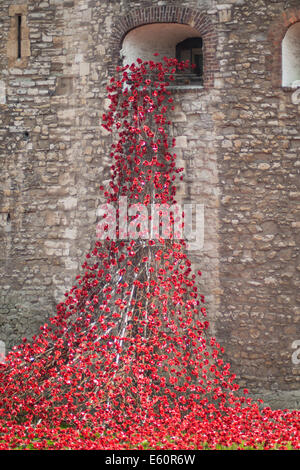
{"x":127,"y":361}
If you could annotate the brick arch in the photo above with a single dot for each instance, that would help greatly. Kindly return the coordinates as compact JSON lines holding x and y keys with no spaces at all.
{"x":277,"y":32}
{"x":170,"y":14}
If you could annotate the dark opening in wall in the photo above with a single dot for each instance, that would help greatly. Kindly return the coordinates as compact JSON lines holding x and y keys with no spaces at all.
{"x":19,"y":36}
{"x":191,"y":49}
{"x":18,"y":43}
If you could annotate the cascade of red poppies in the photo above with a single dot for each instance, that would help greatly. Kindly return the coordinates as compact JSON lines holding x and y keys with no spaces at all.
{"x":130,"y":346}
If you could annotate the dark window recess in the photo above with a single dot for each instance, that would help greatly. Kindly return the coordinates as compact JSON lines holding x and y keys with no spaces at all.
{"x":8,"y":218}
{"x":19,"y":36}
{"x":190,"y":49}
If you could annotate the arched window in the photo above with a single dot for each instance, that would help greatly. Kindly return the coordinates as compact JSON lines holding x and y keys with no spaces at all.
{"x":170,"y":40}
{"x":291,"y":56}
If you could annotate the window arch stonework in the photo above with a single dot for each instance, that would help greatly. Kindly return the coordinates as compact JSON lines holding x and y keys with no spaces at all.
{"x":169,"y":14}
{"x":277,"y":33}
{"x":18,"y":45}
